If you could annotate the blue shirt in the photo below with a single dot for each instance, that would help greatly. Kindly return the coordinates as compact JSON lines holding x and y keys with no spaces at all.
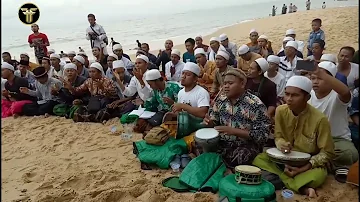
{"x":189,"y":57}
{"x":341,"y":78}
{"x":320,"y":34}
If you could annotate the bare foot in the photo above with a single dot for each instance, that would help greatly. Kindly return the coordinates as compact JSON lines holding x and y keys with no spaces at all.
{"x":47,"y":115}
{"x":310,"y":192}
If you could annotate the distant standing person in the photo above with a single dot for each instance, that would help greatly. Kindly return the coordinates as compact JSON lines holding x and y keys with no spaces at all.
{"x":274,"y":10}
{"x":308,"y":3}
{"x":284,"y":9}
{"x":138,"y":44}
{"x":96,"y":34}
{"x":38,"y":41}
{"x":323,"y":5}
{"x":290,"y":8}
{"x":294,"y":9}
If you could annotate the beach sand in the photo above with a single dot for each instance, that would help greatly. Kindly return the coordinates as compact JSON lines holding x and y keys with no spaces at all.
{"x":53,"y":159}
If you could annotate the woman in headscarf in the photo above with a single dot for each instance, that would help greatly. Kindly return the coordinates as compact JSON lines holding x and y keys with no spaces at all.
{"x":101,"y":89}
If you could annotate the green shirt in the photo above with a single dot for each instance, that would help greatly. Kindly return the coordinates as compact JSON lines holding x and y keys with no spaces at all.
{"x":156,"y":101}
{"x":189,"y":57}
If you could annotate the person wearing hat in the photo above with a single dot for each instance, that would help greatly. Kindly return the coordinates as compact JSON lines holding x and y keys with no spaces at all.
{"x":71,"y":55}
{"x":151,"y":65}
{"x":199,"y":44}
{"x":165,"y":94}
{"x":13,"y":100}
{"x":332,"y":98}
{"x":79,"y":61}
{"x":216,"y":46}
{"x":174,"y":67}
{"x":138,"y":82}
{"x":224,"y":39}
{"x":282,"y":50}
{"x":208,"y":68}
{"x":56,"y":68}
{"x":7,"y":58}
{"x":261,"y":86}
{"x":25,"y":57}
{"x":109,"y":71}
{"x":189,"y":56}
{"x":246,"y":57}
{"x":346,"y":68}
{"x":83,"y":54}
{"x":273,"y":75}
{"x":265,"y":46}
{"x":222,"y":67}
{"x":253,"y":44}
{"x":39,"y":41}
{"x":118,"y":50}
{"x":23,"y":72}
{"x":288,"y":62}
{"x":318,"y":48}
{"x":193,"y":98}
{"x":164,"y":56}
{"x":300,"y":127}
{"x":291,"y":33}
{"x":46,"y":90}
{"x":120,"y":76}
{"x":245,"y":131}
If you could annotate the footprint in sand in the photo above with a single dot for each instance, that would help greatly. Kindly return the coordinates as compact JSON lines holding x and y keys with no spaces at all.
{"x":28,"y":177}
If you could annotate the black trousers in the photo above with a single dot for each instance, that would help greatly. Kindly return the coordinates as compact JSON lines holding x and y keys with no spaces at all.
{"x":35,"y":109}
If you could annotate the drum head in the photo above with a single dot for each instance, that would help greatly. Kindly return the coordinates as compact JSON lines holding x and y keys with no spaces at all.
{"x":292,"y":156}
{"x":247,"y":169}
{"x":206,"y":133}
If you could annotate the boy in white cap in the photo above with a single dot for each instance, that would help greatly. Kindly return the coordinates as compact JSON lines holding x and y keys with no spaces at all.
{"x":253,"y":44}
{"x":276,"y":77}
{"x":222,"y":67}
{"x":288,"y":62}
{"x":71,"y":55}
{"x":174,"y":67}
{"x":332,"y":97}
{"x":83,"y":54}
{"x":110,"y":59}
{"x":165,"y":94}
{"x":207,"y":67}
{"x":79,"y":61}
{"x":261,"y":86}
{"x":263,"y":43}
{"x":216,"y":46}
{"x":120,"y":76}
{"x":247,"y":130}
{"x":303,"y":119}
{"x":246,"y":57}
{"x":56,"y":68}
{"x":199,"y":44}
{"x":193,"y":98}
{"x":118,"y":50}
{"x":224,"y":39}
{"x":282,"y":50}
{"x":291,"y":33}
{"x":346,"y":67}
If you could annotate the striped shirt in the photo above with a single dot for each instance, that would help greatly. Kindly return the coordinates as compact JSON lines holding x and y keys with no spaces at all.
{"x":287,"y":68}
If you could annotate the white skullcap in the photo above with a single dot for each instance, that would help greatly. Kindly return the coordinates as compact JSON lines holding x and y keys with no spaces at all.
{"x":54,"y":55}
{"x":329,"y":66}
{"x":274,"y":59}
{"x":214,"y":39}
{"x":118,"y":64}
{"x":223,"y":54}
{"x":252,"y":31}
{"x":293,"y":44}
{"x":143,"y":57}
{"x":199,"y":51}
{"x":264,"y":65}
{"x":113,"y":55}
{"x":70,"y":66}
{"x":243,"y":50}
{"x":117,"y":47}
{"x":71,"y":53}
{"x":290,"y":31}
{"x":8,"y":66}
{"x":199,"y":36}
{"x":263,"y":37}
{"x":25,"y":54}
{"x":97,"y":66}
{"x":82,"y":53}
{"x":51,"y":51}
{"x":223,"y":37}
{"x":301,"y":82}
{"x":192,"y":67}
{"x":152,"y":75}
{"x":328,"y":57}
{"x":66,"y":59}
{"x":175,"y":52}
{"x":288,"y":38}
{"x":80,"y":59}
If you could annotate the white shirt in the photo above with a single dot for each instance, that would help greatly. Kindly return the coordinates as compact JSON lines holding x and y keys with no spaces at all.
{"x":178,"y":70}
{"x":135,"y":86}
{"x":279,"y":80}
{"x":353,"y":75}
{"x":336,"y":111}
{"x":286,"y":68}
{"x":128,"y":64}
{"x":197,"y":97}
{"x":233,"y":48}
{"x":99,"y":42}
{"x":212,"y":54}
{"x":52,"y":72}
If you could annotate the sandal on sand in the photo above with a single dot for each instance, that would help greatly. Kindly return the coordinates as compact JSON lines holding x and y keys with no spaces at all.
{"x":341,"y":175}
{"x":185,"y":159}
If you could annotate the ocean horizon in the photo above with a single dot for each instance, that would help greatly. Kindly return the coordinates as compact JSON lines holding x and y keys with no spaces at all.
{"x":154,"y":29}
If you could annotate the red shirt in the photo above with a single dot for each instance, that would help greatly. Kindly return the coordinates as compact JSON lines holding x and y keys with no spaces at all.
{"x":40,"y":50}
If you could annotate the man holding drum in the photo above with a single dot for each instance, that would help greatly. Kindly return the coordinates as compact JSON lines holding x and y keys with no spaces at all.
{"x":241,"y":119}
{"x":300,"y":127}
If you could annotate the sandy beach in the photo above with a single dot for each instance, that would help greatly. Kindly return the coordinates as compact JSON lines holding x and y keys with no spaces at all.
{"x":54,"y":159}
